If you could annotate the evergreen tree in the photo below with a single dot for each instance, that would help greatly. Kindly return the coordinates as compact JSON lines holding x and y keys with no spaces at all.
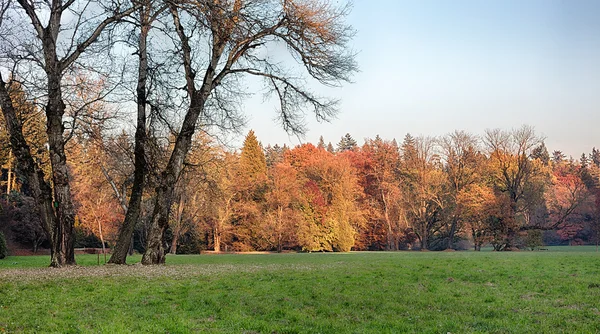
{"x":541,"y":153}
{"x":274,"y":155}
{"x":558,"y":157}
{"x":408,"y":148}
{"x":330,"y":148}
{"x":252,"y":159}
{"x":583,"y":161}
{"x":595,"y":157}
{"x":347,"y":143}
{"x":321,"y":144}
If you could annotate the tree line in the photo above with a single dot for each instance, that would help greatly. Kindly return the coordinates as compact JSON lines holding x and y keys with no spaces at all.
{"x":450,"y":192}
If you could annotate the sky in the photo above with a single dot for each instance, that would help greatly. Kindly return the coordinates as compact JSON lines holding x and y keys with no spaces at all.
{"x":432,"y":67}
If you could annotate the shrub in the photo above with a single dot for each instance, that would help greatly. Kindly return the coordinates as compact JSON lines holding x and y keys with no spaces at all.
{"x":534,"y":239}
{"x":21,"y":217}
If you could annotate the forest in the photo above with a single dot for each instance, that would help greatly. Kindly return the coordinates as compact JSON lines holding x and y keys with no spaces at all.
{"x":457,"y":191}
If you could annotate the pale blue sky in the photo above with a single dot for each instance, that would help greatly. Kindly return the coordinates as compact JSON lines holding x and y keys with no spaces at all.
{"x":430,"y":67}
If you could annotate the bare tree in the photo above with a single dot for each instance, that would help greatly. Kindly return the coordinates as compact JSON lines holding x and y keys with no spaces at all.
{"x":462,"y":164}
{"x":512,"y":170}
{"x":238,"y":34}
{"x":424,"y":189}
{"x":148,"y":12}
{"x":62,"y":31}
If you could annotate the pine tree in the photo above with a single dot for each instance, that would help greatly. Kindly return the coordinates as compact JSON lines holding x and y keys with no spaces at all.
{"x":408,"y":148}
{"x":274,"y":155}
{"x":583,"y":161}
{"x":252,"y":160}
{"x":595,"y":157}
{"x":541,"y":153}
{"x":330,"y":148}
{"x":347,"y":143}
{"x":558,"y":157}
{"x":321,"y":144}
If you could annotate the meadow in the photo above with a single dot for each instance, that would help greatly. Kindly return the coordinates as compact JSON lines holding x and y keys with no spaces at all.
{"x":550,"y":291}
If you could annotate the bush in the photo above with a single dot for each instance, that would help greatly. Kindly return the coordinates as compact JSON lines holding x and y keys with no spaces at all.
{"x":21,"y":216}
{"x":3,"y":248}
{"x":534,"y":239}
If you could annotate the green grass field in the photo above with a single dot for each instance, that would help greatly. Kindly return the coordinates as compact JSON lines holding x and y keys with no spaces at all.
{"x":430,"y":292}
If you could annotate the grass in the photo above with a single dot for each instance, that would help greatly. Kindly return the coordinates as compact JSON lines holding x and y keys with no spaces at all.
{"x":432,"y":292}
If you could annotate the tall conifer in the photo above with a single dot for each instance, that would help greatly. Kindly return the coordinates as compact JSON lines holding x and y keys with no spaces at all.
{"x":252,"y":160}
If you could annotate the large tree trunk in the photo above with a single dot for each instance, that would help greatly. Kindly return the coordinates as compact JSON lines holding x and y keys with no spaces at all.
{"x":155,"y":245}
{"x":41,"y":190}
{"x":132,"y":216}
{"x":155,"y":250}
{"x":63,"y":239}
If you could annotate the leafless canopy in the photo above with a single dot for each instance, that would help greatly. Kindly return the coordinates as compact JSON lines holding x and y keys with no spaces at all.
{"x":249,"y":37}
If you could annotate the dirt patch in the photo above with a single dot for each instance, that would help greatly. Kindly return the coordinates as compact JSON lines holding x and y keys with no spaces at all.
{"x":138,"y":270}
{"x":529,"y":296}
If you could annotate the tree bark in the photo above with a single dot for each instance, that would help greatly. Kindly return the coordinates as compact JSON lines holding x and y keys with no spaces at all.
{"x":8,"y":188}
{"x":178,"y":228}
{"x":174,"y":242}
{"x":122,"y":246}
{"x":155,"y":246}
{"x":41,"y":190}
{"x":63,"y":244}
{"x":452,"y":233}
{"x":391,"y":245}
{"x":217,"y":240}
{"x":102,"y":239}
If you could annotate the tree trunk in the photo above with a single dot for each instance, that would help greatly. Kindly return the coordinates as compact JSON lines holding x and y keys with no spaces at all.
{"x":155,"y":251}
{"x":9,"y":172}
{"x":102,"y":239}
{"x":155,"y":245}
{"x":217,"y":240}
{"x":164,"y":192}
{"x":279,"y":229}
{"x":179,"y":227}
{"x":391,"y":245}
{"x":174,"y":242}
{"x":510,"y":240}
{"x":452,"y":232}
{"x":124,"y":240}
{"x":63,"y":240}
{"x":41,"y":190}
